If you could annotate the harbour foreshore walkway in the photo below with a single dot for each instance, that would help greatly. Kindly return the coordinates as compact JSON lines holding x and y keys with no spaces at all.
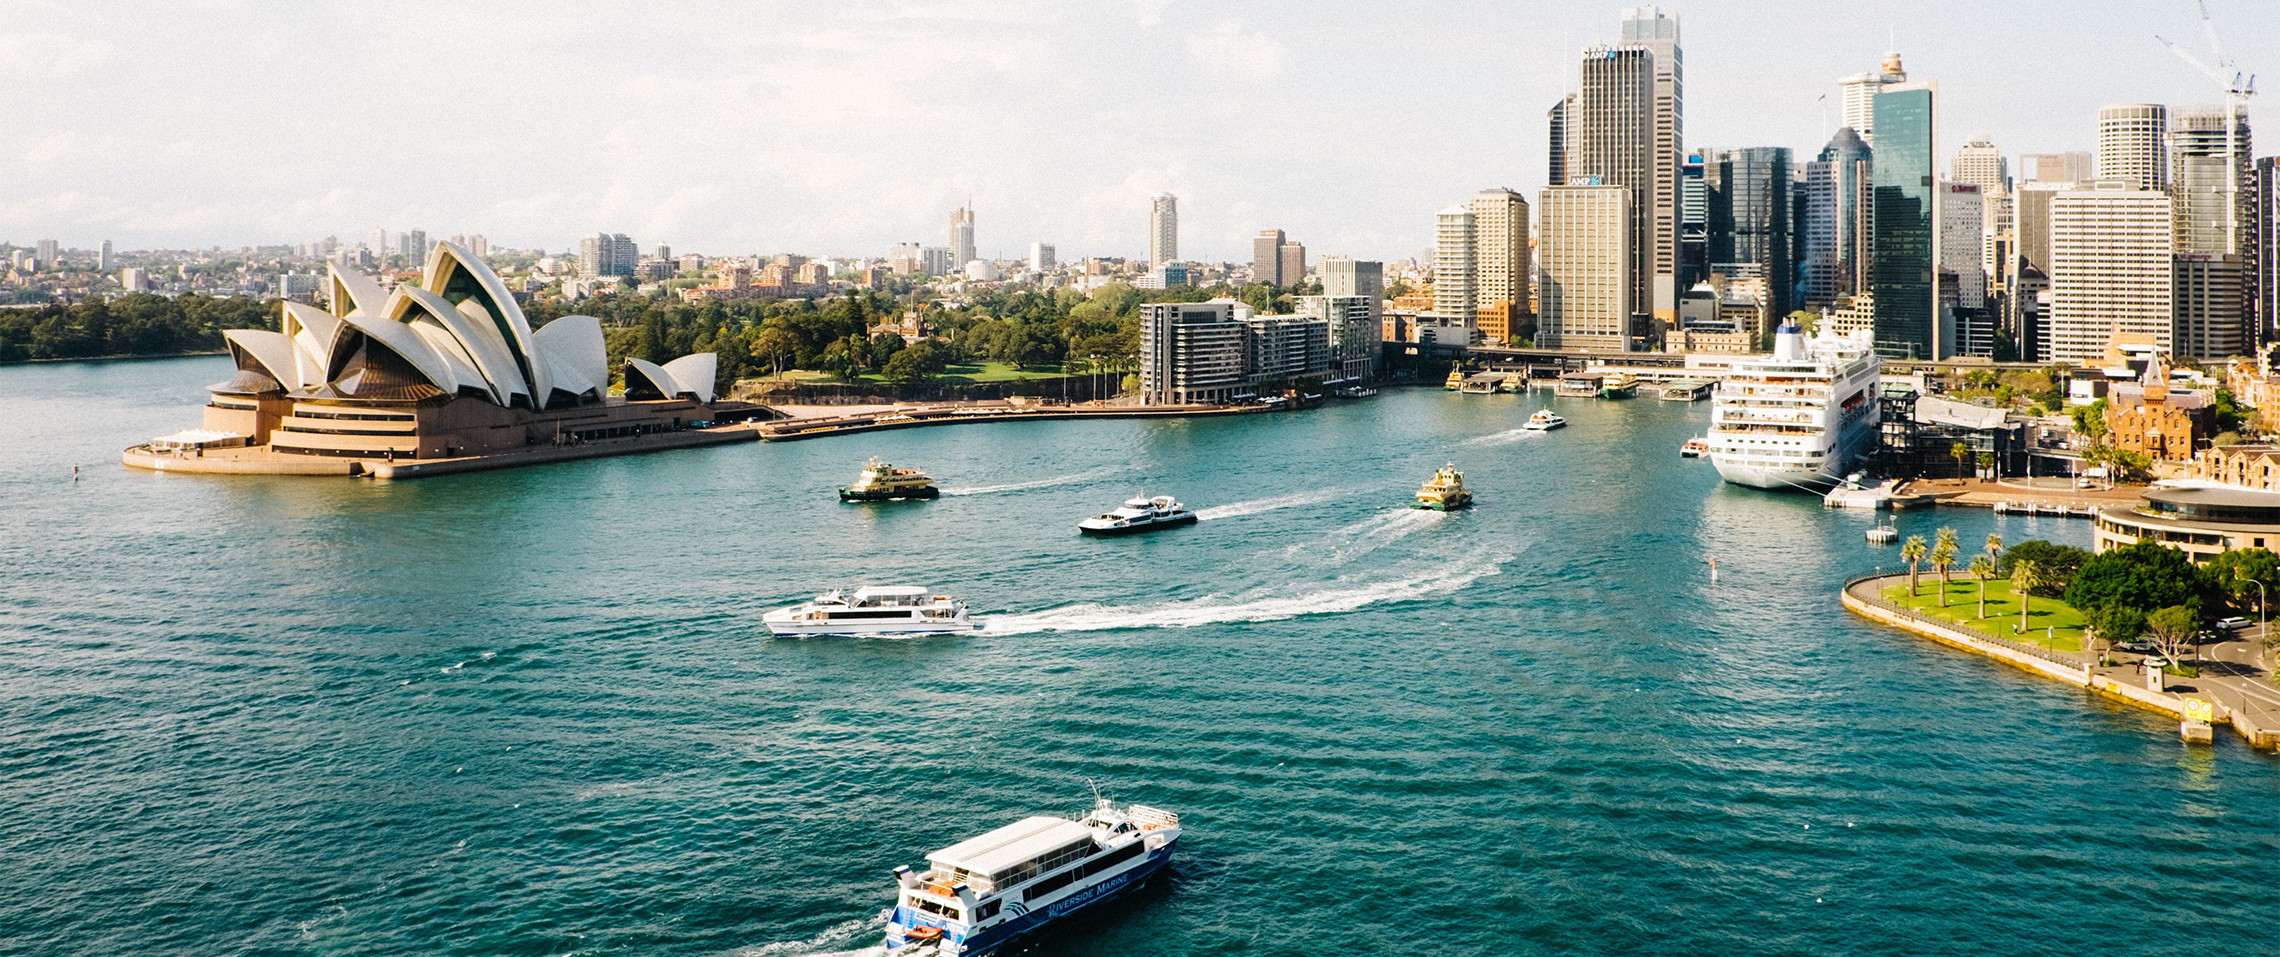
{"x":1982,"y":493}
{"x":874,"y":419}
{"x":2234,"y":678}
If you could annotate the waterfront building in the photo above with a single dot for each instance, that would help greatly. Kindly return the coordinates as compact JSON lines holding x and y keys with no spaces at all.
{"x":1836,"y":226}
{"x":1501,"y":264}
{"x":1191,"y":352}
{"x":1749,"y":217}
{"x":1615,"y":136}
{"x":1455,"y":271}
{"x":1163,"y":228}
{"x":1344,"y":277}
{"x":2110,"y":272}
{"x":1583,"y":268}
{"x":2151,"y":418}
{"x":961,"y":237}
{"x":1280,"y":349}
{"x":1856,"y":95}
{"x":445,"y":368}
{"x":1904,"y":258}
{"x":2201,"y":522}
{"x":2133,"y":144}
{"x":1352,"y":328}
{"x":1041,"y":258}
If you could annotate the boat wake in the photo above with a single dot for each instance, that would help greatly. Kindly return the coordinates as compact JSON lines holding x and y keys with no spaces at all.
{"x":1369,"y":534}
{"x":1506,"y":437}
{"x":837,"y":941}
{"x":1036,"y":483}
{"x":1271,"y":603}
{"x":1236,"y":509}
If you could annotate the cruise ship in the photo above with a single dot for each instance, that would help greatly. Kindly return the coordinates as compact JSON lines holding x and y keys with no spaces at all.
{"x":977,"y":895}
{"x":1797,"y":418}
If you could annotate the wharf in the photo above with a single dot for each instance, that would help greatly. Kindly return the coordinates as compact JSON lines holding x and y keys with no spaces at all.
{"x":259,"y":460}
{"x":2234,"y":686}
{"x":1687,"y":390}
{"x":909,"y":417}
{"x":2022,"y":497}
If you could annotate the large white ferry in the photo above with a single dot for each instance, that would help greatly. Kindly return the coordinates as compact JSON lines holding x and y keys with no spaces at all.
{"x":876,"y":610}
{"x":978,"y":894}
{"x":1800,"y":416}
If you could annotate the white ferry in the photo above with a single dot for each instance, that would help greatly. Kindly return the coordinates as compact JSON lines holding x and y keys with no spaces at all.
{"x":875,"y":610}
{"x":1545,"y":420}
{"x":1800,"y":416}
{"x":1139,"y":515}
{"x":978,"y":894}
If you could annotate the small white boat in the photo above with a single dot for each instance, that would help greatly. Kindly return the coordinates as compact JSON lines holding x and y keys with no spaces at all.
{"x":1545,"y":420}
{"x":1139,"y":515}
{"x":979,"y":894}
{"x":875,"y":610}
{"x":1884,"y":535}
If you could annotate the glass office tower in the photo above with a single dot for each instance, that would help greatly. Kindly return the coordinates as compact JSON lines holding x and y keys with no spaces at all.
{"x":1903,"y":271}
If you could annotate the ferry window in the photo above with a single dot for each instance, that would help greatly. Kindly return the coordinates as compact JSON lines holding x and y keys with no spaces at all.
{"x":987,"y":911}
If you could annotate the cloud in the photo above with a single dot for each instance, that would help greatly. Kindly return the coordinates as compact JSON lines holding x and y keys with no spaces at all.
{"x":1229,"y":50}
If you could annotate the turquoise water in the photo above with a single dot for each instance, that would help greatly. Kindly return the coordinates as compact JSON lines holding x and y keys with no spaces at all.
{"x":533,"y":712}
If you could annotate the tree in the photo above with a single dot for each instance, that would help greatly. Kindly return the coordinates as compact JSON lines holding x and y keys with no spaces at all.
{"x":2058,"y":563}
{"x":2090,"y":420}
{"x":1943,"y":558}
{"x":2025,"y":577}
{"x":917,"y":364}
{"x":1912,"y":551}
{"x":1987,"y":464}
{"x":884,"y":345}
{"x":2143,"y":576}
{"x":1962,"y":453}
{"x":2112,"y":626}
{"x":1994,"y":547}
{"x":1982,"y":568}
{"x":2172,"y":628}
{"x":775,"y":344}
{"x":2238,"y":571}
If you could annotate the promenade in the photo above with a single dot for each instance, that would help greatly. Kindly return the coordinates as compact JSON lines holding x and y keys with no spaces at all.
{"x":2235,"y":675}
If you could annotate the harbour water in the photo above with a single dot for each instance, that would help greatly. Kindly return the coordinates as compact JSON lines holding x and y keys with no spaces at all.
{"x":534,"y":712}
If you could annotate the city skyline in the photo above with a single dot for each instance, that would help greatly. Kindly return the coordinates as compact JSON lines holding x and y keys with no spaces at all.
{"x":278,"y":146}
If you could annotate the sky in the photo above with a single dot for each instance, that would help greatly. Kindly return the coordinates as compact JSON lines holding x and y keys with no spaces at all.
{"x":729,"y":127}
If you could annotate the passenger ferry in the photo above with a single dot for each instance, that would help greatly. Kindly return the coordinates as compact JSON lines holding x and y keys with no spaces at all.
{"x":1456,"y":379}
{"x":1619,"y":385}
{"x":874,"y":610}
{"x":1139,"y":515}
{"x":881,"y":482}
{"x":1800,"y":416}
{"x":1444,"y":492}
{"x":1545,"y":420}
{"x":977,"y":895}
{"x":1693,"y":448}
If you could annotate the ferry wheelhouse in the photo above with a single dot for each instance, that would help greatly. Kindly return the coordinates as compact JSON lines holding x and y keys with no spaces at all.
{"x":1798,"y":417}
{"x":875,"y":610}
{"x":978,"y":894}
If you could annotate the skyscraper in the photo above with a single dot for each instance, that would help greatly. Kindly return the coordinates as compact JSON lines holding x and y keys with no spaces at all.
{"x":1963,"y":272}
{"x":1455,"y":269}
{"x":1266,"y":257}
{"x":1904,"y":261}
{"x":607,"y":254}
{"x":2110,"y":251}
{"x":1656,"y":29}
{"x":1693,"y":221}
{"x":103,"y":258}
{"x":2055,"y":168}
{"x":1163,"y":229}
{"x":2133,"y":144}
{"x":1614,"y":146}
{"x":1561,"y":145}
{"x":1979,"y":163}
{"x":1856,"y":95}
{"x":962,"y":236}
{"x":1293,"y":264}
{"x":2212,"y":181}
{"x":1750,"y":218}
{"x":1583,"y":269}
{"x":1343,"y":276}
{"x":1836,"y":220}
{"x":1041,"y":257}
{"x":2267,"y":304}
{"x":1500,"y":250}
{"x":50,"y":251}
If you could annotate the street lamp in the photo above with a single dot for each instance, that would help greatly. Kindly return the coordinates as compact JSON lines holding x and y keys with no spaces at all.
{"x":2262,"y":622}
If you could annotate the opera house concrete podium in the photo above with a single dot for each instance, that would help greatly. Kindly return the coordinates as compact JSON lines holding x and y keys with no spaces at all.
{"x":442,"y":376}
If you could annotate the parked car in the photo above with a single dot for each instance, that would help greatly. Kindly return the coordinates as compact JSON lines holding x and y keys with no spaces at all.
{"x":2136,"y":646}
{"x":2234,"y":623}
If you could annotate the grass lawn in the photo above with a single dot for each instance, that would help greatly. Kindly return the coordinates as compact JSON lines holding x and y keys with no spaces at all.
{"x":2054,"y":624}
{"x":957,"y":374}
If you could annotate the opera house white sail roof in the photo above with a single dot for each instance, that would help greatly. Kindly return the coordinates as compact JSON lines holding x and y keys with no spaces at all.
{"x":458,"y":333}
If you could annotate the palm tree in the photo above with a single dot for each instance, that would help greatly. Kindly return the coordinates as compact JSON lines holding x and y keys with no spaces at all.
{"x":1995,"y":547}
{"x":2026,"y":576}
{"x":1987,"y":462}
{"x":1962,"y":453}
{"x":1943,"y":558}
{"x":1912,"y":551}
{"x":1982,"y":568}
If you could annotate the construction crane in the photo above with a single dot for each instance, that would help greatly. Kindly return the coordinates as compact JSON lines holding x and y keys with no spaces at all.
{"x":2237,"y":86}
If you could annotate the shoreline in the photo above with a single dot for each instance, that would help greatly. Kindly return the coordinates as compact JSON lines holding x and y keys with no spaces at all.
{"x":1861,"y":595}
{"x":133,"y":357}
{"x":796,"y":429}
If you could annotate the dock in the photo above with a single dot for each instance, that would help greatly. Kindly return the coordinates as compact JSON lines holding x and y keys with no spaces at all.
{"x":1687,"y":390}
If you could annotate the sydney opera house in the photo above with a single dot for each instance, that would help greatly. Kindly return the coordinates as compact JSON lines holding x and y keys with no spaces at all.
{"x":442,"y":375}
